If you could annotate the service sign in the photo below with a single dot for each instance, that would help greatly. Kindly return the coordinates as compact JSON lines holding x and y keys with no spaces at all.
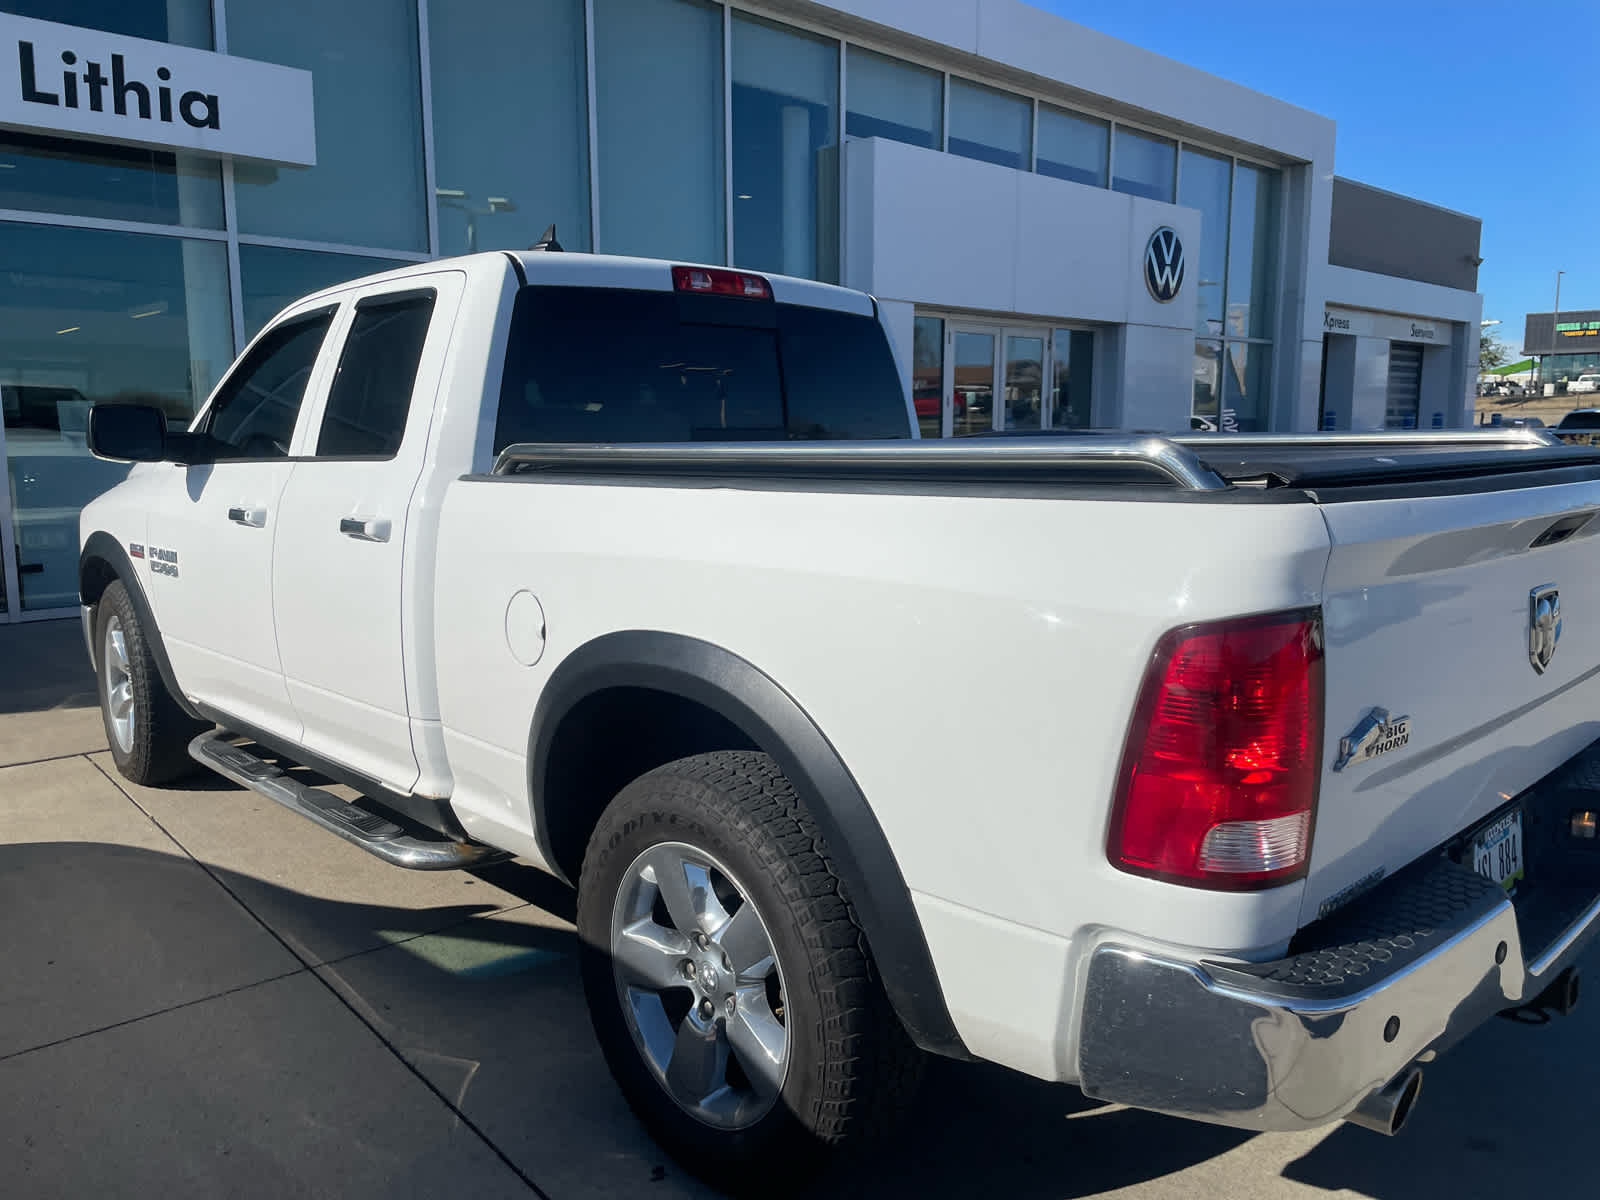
{"x":82,"y":83}
{"x":1385,"y":325}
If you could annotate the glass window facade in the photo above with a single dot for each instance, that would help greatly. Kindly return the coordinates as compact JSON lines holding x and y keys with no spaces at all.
{"x":510,"y":123}
{"x":1142,"y":165}
{"x":658,"y":84}
{"x":1205,"y":413}
{"x":89,"y":316}
{"x":894,"y":100}
{"x":993,"y":126}
{"x":1246,"y":376}
{"x":1072,"y":146}
{"x":366,"y":189}
{"x":1253,"y":251}
{"x":1563,"y":369}
{"x":785,"y":150}
{"x":117,"y":183}
{"x":1204,"y":183}
{"x":271,"y":278}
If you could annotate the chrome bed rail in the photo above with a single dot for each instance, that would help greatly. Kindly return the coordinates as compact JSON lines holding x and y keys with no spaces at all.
{"x":1053,"y":458}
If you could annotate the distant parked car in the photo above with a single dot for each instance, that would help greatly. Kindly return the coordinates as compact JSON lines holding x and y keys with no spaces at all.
{"x":1584,"y":383}
{"x":1579,"y":425}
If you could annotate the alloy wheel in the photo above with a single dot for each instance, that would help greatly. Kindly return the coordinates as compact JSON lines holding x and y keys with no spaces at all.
{"x":700,"y":985}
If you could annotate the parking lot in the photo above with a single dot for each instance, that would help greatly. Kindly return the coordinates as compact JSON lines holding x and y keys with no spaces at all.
{"x":203,"y":995}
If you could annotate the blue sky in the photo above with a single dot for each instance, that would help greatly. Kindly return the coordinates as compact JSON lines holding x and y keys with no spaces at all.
{"x":1482,"y":107}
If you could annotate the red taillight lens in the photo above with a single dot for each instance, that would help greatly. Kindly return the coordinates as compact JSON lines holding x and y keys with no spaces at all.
{"x":1219,"y":777}
{"x":716,"y":282}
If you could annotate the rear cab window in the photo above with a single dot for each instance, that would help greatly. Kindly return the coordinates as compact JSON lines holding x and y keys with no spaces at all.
{"x":612,"y":365}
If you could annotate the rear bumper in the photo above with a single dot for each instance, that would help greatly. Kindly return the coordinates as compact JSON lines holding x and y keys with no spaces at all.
{"x":1401,"y":975}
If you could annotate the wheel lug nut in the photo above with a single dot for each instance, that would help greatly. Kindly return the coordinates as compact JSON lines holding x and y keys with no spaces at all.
{"x":732,"y":1005}
{"x":688,"y":969}
{"x":700,"y":940}
{"x":706,"y":1011}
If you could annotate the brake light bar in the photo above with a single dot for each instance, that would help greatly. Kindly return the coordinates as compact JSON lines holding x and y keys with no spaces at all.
{"x":1219,"y":776}
{"x":714,"y":281}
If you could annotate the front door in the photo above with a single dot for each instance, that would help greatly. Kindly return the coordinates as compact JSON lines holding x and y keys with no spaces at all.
{"x":342,"y":598}
{"x":210,"y":530}
{"x":999,"y":379}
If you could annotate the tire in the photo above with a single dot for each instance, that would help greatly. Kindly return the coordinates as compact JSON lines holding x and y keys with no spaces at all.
{"x":148,"y":733}
{"x":838,"y":1069}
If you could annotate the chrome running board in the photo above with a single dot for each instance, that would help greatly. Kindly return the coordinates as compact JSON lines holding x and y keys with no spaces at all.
{"x":372,"y":831}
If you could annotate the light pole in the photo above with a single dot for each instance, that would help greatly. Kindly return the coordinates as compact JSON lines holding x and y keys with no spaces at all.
{"x":454,"y":197}
{"x":1555,"y":319}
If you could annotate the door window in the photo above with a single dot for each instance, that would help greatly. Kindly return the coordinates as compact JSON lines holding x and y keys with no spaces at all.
{"x":1024,"y":382}
{"x":371,"y":393}
{"x":973,"y":401}
{"x":927,"y":375}
{"x":254,"y":413}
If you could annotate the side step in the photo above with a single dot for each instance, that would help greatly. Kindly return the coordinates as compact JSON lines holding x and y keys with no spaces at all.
{"x":373,"y":832}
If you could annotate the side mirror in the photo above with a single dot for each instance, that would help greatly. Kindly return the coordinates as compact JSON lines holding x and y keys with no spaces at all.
{"x":128,"y":432}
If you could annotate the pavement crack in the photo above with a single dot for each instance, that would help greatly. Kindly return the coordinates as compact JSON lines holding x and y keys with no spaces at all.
{"x":160,"y":1012}
{"x":49,"y":758}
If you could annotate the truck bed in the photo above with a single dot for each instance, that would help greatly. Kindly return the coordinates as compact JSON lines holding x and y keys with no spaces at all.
{"x":1288,"y":468}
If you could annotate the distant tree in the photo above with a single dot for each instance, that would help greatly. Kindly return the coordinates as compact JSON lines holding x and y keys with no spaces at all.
{"x":1492,"y":352}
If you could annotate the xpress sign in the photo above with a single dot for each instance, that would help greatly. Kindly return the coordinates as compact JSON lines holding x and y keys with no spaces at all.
{"x":82,"y":83}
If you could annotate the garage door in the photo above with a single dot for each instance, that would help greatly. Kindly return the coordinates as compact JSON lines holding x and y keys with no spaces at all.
{"x":1405,"y":385}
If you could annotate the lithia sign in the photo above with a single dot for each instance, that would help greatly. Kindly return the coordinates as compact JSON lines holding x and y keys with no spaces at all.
{"x":82,"y":83}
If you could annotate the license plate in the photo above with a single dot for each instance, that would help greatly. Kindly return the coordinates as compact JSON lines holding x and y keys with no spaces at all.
{"x":1497,"y":850}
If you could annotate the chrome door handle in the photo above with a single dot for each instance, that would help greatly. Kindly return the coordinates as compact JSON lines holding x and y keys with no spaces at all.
{"x":256,"y":518}
{"x":365,"y":529}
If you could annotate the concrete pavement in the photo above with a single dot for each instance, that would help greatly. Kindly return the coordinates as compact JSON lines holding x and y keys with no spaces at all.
{"x":203,"y":995}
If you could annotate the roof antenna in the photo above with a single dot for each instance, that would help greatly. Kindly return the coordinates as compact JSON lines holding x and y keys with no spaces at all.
{"x":547,"y":240}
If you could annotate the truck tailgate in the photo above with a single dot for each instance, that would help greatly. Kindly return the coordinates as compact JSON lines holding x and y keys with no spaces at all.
{"x":1427,"y":609}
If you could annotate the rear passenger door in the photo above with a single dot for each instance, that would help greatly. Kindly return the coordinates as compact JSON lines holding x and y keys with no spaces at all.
{"x":342,"y":583}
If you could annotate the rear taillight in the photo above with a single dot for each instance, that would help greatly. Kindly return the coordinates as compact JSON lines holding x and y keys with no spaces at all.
{"x":715,"y":282}
{"x":1218,"y":785}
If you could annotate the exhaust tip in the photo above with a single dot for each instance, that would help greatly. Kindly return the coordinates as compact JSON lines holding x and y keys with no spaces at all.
{"x":1387,"y":1110}
{"x":1562,"y":995}
{"x":1407,"y":1101}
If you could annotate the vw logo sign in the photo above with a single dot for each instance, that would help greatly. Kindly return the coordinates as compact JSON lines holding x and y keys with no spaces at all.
{"x":1163,"y":264}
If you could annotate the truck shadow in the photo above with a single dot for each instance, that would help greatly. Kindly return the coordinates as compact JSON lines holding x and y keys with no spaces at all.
{"x":489,"y":1010}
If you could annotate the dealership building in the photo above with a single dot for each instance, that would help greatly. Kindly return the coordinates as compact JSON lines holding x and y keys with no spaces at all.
{"x":1063,"y":230}
{"x":1567,"y":345}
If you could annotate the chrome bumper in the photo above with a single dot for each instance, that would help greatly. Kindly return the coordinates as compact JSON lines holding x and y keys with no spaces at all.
{"x":1303,"y":1041}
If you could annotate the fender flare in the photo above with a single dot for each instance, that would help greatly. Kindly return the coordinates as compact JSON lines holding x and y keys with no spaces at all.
{"x":102,"y":547}
{"x":752,"y":701}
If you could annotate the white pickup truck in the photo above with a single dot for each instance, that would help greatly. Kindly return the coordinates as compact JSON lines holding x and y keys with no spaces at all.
{"x":1229,"y":777}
